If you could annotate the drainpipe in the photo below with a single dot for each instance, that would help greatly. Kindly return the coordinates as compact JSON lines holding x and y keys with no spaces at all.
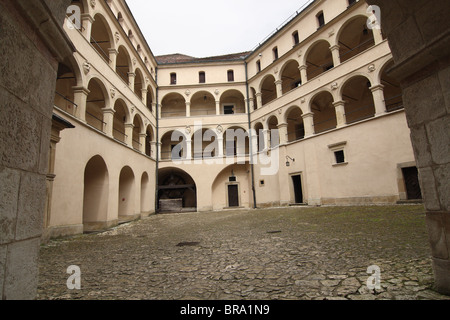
{"x":157,"y":142}
{"x":252,"y":169}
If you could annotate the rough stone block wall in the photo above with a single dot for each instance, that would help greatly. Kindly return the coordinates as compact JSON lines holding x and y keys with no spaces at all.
{"x":27,"y":83}
{"x":418,"y":32}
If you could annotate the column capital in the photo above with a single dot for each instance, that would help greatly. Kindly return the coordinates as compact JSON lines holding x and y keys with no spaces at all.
{"x":307,"y":115}
{"x":339,"y":103}
{"x":303,"y":67}
{"x":108,"y":110}
{"x":113,"y":51}
{"x":377,"y":87}
{"x":335,"y":47}
{"x":81,"y":89}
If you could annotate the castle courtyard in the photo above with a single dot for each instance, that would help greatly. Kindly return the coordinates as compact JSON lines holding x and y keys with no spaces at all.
{"x":290,"y":253}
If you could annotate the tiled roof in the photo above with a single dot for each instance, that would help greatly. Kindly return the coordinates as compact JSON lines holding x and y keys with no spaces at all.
{"x":181,"y":58}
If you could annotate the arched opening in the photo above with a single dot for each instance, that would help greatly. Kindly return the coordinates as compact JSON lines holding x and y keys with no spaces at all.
{"x":355,"y":38}
{"x":204,"y":144}
{"x":138,"y":83}
{"x":290,"y":76}
{"x":64,"y":94}
{"x":274,"y":136}
{"x":148,"y":141}
{"x":232,"y":102}
{"x":392,"y":90}
{"x":96,"y":194}
{"x":123,"y":63}
{"x":137,"y":129}
{"x":268,"y":90}
{"x":295,"y":126}
{"x":255,"y":99}
{"x":149,"y":99}
{"x":177,"y":191}
{"x":126,"y":193}
{"x":173,"y":105}
{"x":202,"y":104}
{"x":319,"y":59}
{"x":101,"y":36}
{"x":146,"y":205}
{"x":260,"y":143}
{"x":236,"y":142}
{"x":324,"y":112}
{"x":358,"y":99}
{"x":232,"y":187}
{"x":120,"y":118}
{"x":173,"y":148}
{"x":95,"y":102}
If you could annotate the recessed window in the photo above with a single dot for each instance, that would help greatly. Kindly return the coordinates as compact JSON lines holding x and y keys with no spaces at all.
{"x":295,"y":38}
{"x":339,"y":156}
{"x":261,"y":183}
{"x":338,"y":152}
{"x":230,"y":74}
{"x":320,"y":19}
{"x":275,"y":53}
{"x":173,"y":78}
{"x":258,"y":66}
{"x":228,"y":109}
{"x":201,"y":77}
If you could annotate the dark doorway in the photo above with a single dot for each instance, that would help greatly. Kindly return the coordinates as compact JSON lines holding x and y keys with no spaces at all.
{"x":297,"y":182}
{"x":411,"y":177}
{"x":233,"y":195}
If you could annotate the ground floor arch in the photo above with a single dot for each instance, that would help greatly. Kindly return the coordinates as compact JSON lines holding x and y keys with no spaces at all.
{"x":177,"y":191}
{"x":96,"y":194}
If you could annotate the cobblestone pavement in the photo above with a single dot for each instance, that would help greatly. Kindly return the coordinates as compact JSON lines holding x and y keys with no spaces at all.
{"x":295,"y":253}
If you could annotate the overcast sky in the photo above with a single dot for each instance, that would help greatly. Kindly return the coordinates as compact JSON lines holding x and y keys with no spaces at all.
{"x":203,"y":28}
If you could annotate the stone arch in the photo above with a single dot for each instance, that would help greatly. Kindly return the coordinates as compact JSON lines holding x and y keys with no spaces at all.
{"x":126,"y":199}
{"x":123,"y":63}
{"x":203,"y":103}
{"x":139,"y":83}
{"x":101,"y":37}
{"x":318,"y":58}
{"x":97,"y":99}
{"x":68,"y":77}
{"x":359,"y":103}
{"x":268,"y":89}
{"x":354,"y":37}
{"x":295,"y":126}
{"x":138,"y":129}
{"x":146,"y":205}
{"x":259,"y":132}
{"x":290,"y":76}
{"x":392,"y":90}
{"x":173,"y":105}
{"x":121,"y":117}
{"x":232,"y":97}
{"x":177,"y":191}
{"x":321,"y":105}
{"x":95,"y":194}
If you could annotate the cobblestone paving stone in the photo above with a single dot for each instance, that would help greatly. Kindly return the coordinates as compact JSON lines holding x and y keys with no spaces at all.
{"x":297,"y":253}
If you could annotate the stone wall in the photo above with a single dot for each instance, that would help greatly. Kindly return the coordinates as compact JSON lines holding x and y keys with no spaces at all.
{"x":31,"y":44}
{"x":419,"y":36}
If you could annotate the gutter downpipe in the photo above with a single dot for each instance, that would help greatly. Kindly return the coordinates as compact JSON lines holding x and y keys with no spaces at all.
{"x":157,"y":143}
{"x":250,"y":138}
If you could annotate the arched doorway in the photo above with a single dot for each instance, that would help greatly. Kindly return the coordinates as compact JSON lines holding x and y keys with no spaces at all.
{"x":126,"y":194}
{"x":96,"y":194}
{"x":177,"y":191}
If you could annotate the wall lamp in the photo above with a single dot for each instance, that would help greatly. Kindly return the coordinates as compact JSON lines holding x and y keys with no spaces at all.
{"x":288,"y":164}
